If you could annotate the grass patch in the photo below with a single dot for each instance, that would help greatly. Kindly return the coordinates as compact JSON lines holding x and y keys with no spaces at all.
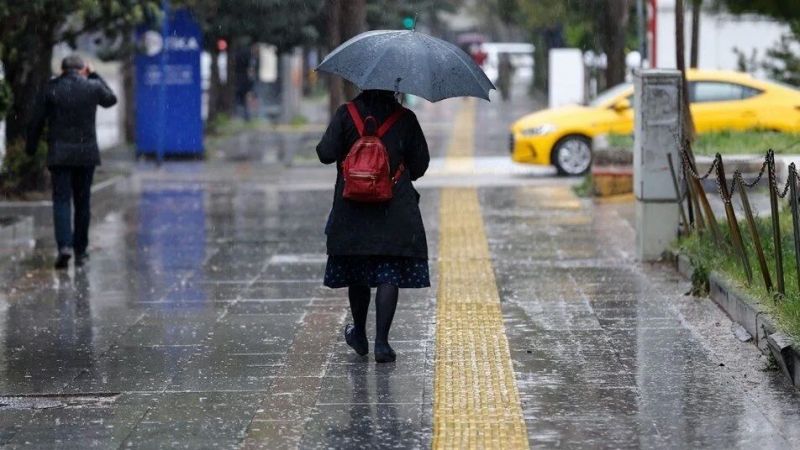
{"x":225,"y":125}
{"x":585,"y":188}
{"x":731,"y":142}
{"x":706,"y":256}
{"x":620,"y":141}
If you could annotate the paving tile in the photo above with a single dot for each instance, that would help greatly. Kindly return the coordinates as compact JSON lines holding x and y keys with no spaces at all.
{"x":221,"y":370}
{"x":195,"y":420}
{"x":127,"y":369}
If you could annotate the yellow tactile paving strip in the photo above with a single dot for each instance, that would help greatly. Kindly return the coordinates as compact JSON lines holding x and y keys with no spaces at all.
{"x":476,"y":403}
{"x":460,"y":152}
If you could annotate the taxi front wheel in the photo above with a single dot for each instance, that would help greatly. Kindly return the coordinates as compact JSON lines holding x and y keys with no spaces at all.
{"x":572,"y":155}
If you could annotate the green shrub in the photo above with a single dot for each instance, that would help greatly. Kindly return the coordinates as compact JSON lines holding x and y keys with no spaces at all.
{"x":6,"y":98}
{"x":22,"y":173}
{"x":585,"y":188}
{"x":705,"y":255}
{"x":727,"y":142}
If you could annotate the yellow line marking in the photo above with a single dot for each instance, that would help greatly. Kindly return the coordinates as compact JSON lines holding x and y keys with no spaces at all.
{"x":476,"y":402}
{"x":462,"y":143}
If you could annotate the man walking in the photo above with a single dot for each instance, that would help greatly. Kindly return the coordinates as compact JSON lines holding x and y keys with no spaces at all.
{"x":68,"y":105}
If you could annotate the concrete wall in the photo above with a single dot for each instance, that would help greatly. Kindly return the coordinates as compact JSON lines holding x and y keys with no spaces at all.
{"x":720,"y":33}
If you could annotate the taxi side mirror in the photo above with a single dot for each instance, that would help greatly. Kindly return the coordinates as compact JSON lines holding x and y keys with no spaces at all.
{"x":621,"y":105}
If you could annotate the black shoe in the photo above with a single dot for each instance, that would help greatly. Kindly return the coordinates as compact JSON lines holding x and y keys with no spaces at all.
{"x":81,"y":259}
{"x":358,"y":341}
{"x":384,"y":353}
{"x":62,"y":261}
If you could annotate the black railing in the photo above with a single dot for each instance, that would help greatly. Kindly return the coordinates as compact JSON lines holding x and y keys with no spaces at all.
{"x":697,"y":215}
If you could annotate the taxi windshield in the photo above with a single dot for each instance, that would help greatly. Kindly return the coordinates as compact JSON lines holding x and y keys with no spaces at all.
{"x":609,"y":94}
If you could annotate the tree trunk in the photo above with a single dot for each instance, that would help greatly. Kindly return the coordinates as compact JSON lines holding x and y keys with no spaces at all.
{"x":214,"y":86}
{"x":540,"y":65}
{"x":680,"y":59}
{"x":25,"y":76}
{"x":352,"y":21}
{"x":227,"y":98}
{"x":129,"y":94}
{"x":693,"y":57}
{"x":615,"y":29}
{"x":336,"y":94}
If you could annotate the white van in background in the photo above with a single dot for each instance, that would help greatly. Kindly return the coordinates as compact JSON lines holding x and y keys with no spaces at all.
{"x":521,"y":55}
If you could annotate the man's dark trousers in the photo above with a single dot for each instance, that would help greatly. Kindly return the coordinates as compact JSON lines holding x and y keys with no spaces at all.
{"x":72,"y":186}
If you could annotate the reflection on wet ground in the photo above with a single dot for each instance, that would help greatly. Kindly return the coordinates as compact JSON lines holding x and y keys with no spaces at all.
{"x":201,"y":322}
{"x":610,"y":354}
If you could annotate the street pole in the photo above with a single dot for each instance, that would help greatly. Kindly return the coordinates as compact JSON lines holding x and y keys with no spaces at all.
{"x":162,"y":88}
{"x":640,"y":31}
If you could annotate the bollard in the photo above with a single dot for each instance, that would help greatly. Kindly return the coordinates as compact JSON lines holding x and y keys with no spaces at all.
{"x":795,"y":218}
{"x":751,"y":223}
{"x":776,"y":227}
{"x":733,"y":225}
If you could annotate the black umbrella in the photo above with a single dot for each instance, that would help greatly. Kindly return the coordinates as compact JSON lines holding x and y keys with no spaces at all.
{"x":410,"y":62}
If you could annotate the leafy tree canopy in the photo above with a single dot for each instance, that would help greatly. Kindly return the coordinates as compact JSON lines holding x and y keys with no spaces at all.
{"x":389,"y":15}
{"x":784,"y":10}
{"x":283,"y":23}
{"x":33,"y":23}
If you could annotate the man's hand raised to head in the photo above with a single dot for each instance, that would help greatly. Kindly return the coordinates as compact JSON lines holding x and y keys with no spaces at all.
{"x":87,"y":70}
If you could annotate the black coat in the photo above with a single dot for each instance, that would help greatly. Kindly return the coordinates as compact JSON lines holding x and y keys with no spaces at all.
{"x":393,"y":228}
{"x":68,"y":104}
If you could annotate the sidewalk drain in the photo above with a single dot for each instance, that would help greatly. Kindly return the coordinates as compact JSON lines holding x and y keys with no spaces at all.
{"x":48,"y":401}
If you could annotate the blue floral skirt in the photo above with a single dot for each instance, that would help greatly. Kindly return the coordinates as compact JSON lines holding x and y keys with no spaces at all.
{"x":373,"y":271}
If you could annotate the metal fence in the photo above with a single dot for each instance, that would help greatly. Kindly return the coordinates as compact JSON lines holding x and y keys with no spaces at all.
{"x":697,"y":216}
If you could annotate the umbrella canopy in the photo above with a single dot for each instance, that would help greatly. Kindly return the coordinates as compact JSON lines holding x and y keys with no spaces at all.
{"x":410,"y":62}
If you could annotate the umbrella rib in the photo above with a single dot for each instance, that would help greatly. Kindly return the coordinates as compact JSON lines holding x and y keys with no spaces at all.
{"x":465,"y":65}
{"x":352,"y":40}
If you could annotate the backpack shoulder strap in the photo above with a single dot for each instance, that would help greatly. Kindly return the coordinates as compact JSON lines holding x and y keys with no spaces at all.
{"x":391,"y":120}
{"x":356,"y":116}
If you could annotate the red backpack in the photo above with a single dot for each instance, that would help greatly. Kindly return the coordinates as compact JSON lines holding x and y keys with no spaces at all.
{"x":366,"y":172}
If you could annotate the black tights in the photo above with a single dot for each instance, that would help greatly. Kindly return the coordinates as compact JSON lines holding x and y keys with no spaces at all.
{"x":385,"y":305}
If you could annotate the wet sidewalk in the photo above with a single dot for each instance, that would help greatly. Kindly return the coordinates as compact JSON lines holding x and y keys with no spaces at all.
{"x":201,"y":322}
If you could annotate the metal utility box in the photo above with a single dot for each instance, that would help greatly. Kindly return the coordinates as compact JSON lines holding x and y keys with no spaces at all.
{"x":657,"y":132}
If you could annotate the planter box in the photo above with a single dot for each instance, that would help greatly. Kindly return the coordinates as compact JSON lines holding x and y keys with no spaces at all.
{"x":612,"y":180}
{"x":103,"y":194}
{"x":752,"y":315}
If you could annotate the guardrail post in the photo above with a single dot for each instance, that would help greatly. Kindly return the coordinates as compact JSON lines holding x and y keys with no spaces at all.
{"x":776,"y":227}
{"x":795,"y":217}
{"x":736,"y":235}
{"x":699,"y":222}
{"x":684,"y":220}
{"x":751,"y":223}
{"x":709,"y":213}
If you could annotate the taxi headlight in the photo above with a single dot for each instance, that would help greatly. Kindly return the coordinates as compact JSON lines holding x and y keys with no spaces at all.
{"x":538,"y":130}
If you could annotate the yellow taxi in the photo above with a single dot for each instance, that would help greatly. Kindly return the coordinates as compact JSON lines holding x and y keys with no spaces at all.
{"x":720,"y":100}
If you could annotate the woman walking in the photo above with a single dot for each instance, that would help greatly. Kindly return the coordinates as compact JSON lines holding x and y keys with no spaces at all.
{"x":375,"y":234}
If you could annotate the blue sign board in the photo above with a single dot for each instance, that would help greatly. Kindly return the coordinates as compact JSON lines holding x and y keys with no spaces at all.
{"x":168,"y":88}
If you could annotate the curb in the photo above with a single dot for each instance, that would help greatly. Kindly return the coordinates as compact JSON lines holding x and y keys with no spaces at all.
{"x":41,"y":211}
{"x":751,"y":314}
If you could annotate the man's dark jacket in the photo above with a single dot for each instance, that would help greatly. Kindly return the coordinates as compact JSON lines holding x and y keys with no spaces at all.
{"x":68,"y":104}
{"x":393,"y":228}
